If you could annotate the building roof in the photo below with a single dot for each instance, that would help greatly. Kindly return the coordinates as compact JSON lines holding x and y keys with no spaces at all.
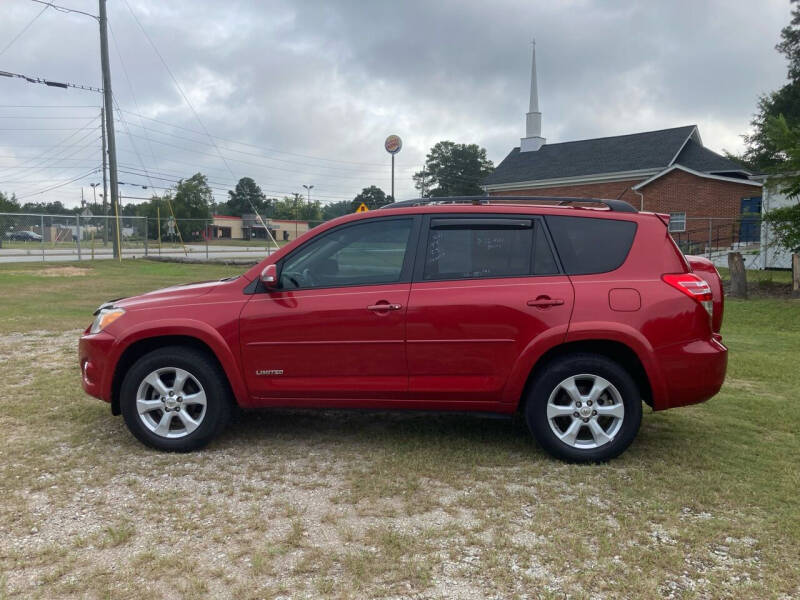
{"x":650,"y":151}
{"x":698,"y":157}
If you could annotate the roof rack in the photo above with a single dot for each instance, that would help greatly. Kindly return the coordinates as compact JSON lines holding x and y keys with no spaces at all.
{"x":613,"y":205}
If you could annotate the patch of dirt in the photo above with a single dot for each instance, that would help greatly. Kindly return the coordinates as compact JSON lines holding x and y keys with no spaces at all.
{"x":55,"y":272}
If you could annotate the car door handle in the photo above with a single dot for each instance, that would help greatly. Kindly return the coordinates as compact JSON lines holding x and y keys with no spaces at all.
{"x":545,"y":301}
{"x":384,"y":306}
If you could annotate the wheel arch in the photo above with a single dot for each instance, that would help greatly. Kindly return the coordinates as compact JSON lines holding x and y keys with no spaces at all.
{"x":615,"y":350}
{"x":135,"y":350}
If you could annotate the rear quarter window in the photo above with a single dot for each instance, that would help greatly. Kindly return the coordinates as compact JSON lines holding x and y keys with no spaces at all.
{"x":586,"y":245}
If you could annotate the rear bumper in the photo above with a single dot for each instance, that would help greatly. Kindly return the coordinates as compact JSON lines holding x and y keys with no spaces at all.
{"x":692,"y":372}
{"x":93,"y":358}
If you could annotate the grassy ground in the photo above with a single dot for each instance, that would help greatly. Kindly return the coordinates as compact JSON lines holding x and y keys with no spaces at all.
{"x":356,"y":505}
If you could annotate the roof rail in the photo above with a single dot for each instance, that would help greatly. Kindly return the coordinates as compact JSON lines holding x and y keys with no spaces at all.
{"x":613,"y":205}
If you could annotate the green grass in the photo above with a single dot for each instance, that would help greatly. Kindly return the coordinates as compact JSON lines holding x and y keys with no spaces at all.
{"x":35,"y":296}
{"x":288,"y":503}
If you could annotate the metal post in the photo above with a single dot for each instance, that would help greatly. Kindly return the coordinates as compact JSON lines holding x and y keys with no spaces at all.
{"x":105,"y":168}
{"x":42,"y":230}
{"x":78,"y":230}
{"x":145,"y":236}
{"x":392,"y":177}
{"x":158,"y":227}
{"x":108,"y":103}
{"x":205,"y":236}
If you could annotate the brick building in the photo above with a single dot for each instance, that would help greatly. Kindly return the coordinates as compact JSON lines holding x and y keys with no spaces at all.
{"x":667,"y":171}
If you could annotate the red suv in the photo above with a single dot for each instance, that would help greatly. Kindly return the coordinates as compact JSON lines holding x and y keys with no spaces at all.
{"x":572,"y":314}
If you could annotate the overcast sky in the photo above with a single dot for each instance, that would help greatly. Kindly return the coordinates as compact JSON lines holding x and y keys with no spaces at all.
{"x":305,"y":92}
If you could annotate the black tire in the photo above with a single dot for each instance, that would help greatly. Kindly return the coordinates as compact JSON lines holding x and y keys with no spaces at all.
{"x":205,"y":371}
{"x":549,"y":382}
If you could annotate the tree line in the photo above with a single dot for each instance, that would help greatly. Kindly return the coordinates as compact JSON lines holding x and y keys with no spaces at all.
{"x":450,"y":169}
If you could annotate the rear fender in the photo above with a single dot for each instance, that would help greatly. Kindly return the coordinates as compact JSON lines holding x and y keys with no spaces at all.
{"x":633,"y":339}
{"x":704,"y":268}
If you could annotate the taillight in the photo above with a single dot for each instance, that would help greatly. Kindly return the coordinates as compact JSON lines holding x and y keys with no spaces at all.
{"x":693,"y":286}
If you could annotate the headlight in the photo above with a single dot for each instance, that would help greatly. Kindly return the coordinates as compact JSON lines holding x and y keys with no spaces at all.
{"x":105,"y":317}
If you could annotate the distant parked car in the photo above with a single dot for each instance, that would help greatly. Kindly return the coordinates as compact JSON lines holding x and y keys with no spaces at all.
{"x":24,"y":236}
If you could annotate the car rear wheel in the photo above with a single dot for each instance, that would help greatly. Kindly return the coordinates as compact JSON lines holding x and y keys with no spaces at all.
{"x":175,"y":399}
{"x":584,"y":408}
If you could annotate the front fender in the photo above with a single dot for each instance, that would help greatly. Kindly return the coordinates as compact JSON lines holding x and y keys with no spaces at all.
{"x":179,"y":327}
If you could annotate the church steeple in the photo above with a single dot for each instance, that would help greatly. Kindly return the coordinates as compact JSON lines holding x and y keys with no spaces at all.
{"x":533,"y":139}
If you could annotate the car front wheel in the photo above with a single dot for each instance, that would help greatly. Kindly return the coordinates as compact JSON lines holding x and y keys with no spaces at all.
{"x":175,"y":399}
{"x":584,"y":408}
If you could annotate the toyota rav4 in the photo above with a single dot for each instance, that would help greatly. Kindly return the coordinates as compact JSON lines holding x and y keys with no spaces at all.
{"x":572,"y":314}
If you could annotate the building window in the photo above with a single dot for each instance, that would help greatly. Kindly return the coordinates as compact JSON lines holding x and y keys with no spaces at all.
{"x":677,"y":222}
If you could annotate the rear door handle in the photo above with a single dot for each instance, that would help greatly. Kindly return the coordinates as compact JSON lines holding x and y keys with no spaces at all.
{"x":384,"y":306}
{"x":545,"y":301}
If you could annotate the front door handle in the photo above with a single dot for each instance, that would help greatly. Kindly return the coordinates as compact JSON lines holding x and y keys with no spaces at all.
{"x":384,"y":306}
{"x":545,"y":301}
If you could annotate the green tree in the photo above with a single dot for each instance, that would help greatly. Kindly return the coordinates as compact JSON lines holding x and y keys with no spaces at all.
{"x":761,"y":152}
{"x":191,"y":204}
{"x":785,"y":221}
{"x":244,"y":199}
{"x":292,"y":208}
{"x":453,"y":170}
{"x":373,"y":196}
{"x":47,"y":208}
{"x":336,"y":209}
{"x":8,"y":204}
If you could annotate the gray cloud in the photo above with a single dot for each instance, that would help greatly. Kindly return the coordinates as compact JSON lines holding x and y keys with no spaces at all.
{"x":330,"y":80}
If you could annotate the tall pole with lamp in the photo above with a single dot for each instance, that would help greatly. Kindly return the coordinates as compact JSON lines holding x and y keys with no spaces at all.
{"x":393,"y":144}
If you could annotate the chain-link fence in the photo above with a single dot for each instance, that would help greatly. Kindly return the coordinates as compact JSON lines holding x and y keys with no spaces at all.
{"x":715,"y":237}
{"x":28,"y":237}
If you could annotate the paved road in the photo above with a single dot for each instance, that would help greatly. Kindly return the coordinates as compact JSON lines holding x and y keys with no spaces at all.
{"x":16,"y":255}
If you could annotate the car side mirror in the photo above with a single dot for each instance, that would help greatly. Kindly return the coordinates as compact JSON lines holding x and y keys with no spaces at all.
{"x":269,"y":277}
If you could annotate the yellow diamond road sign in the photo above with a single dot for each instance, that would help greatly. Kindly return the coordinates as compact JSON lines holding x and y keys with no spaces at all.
{"x":362,"y":208}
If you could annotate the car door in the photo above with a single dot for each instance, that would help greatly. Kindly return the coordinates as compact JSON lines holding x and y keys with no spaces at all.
{"x":483,"y":289}
{"x":335,"y":327}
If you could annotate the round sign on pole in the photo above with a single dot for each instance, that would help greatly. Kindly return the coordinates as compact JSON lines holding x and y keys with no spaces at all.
{"x":393,"y":144}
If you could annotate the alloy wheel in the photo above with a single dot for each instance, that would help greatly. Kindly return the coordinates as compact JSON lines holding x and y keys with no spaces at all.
{"x":585,"y":411}
{"x":171,"y":402}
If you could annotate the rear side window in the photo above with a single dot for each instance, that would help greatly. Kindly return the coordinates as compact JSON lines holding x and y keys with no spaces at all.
{"x":475,"y":248}
{"x":588,"y":245}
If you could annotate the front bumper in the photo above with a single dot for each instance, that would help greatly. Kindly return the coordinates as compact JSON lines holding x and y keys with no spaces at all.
{"x":93,"y":358}
{"x":692,"y":372}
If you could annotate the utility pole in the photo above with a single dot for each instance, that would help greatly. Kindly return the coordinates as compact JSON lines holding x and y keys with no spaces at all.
{"x":296,"y":216}
{"x":105,"y":186}
{"x":109,"y":121}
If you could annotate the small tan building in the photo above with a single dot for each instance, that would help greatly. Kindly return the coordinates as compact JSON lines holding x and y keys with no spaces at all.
{"x":285,"y":230}
{"x":224,"y":227}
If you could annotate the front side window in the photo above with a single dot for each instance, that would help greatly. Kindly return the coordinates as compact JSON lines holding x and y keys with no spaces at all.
{"x":471,"y":249}
{"x":364,"y":254}
{"x":677,"y":222}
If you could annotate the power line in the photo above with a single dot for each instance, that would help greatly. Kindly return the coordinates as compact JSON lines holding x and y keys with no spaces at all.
{"x":264,"y":148}
{"x":21,"y":33}
{"x":258,"y":155}
{"x":49,"y":82}
{"x":64,"y":9}
{"x":42,"y":191}
{"x":59,"y":106}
